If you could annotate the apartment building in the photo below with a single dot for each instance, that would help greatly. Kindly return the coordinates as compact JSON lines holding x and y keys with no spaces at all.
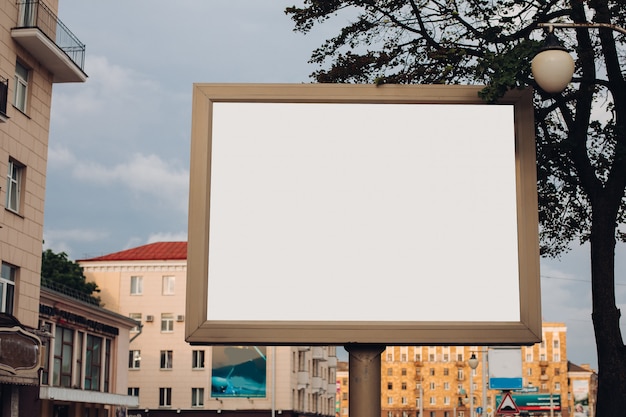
{"x":169,"y":376}
{"x":36,"y":51}
{"x":437,"y":381}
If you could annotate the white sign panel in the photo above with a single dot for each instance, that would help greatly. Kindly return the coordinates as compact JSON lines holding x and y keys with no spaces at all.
{"x":320,"y":210}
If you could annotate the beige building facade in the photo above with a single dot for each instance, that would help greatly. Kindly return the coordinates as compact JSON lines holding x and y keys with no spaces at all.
{"x":168,"y":375}
{"x":36,"y":51}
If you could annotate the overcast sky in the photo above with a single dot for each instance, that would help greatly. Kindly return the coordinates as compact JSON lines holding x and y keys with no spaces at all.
{"x":118,"y":167}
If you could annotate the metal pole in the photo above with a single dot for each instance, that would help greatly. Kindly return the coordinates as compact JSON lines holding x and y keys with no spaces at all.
{"x":471,"y":398}
{"x":422,"y":400}
{"x":364,"y":379}
{"x":484,"y":378}
{"x":550,"y":26}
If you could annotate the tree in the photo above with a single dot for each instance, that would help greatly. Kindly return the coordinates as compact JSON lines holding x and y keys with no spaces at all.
{"x":581,"y":133}
{"x":60,"y":273}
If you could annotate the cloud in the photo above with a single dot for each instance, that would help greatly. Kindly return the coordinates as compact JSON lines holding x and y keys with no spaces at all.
{"x":143,"y":175}
{"x":63,"y":240}
{"x":167,"y":237}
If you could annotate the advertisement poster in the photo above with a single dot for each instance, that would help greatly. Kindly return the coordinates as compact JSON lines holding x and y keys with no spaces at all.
{"x":239,"y":371}
{"x":580,"y":391}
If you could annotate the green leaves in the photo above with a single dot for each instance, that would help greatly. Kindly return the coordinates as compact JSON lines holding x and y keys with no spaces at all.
{"x":58,"y":272}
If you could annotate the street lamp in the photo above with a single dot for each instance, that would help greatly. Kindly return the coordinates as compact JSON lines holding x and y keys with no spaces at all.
{"x":473,"y":363}
{"x":553,"y":66}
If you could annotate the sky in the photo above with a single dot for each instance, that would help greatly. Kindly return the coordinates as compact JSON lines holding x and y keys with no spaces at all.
{"x":118,"y":163}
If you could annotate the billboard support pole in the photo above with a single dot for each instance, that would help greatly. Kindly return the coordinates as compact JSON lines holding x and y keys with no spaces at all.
{"x":364,"y":370}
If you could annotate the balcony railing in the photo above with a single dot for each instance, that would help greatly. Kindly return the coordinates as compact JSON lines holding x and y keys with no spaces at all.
{"x":4,"y":92}
{"x":36,"y":19}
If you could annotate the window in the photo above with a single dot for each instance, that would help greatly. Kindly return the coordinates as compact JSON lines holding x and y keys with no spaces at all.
{"x":389,"y":400}
{"x":446,"y":386}
{"x":136,"y":285}
{"x":403,"y":371}
{"x":389,"y":385}
{"x":63,"y":349}
{"x":389,"y":371}
{"x":15,"y":181}
{"x":557,"y":386}
{"x":446,"y":400}
{"x":45,"y":342}
{"x":93,"y":363}
{"x":168,"y":285}
{"x":404,"y":400}
{"x":433,"y":401}
{"x":165,"y":397}
{"x":459,"y":374}
{"x":133,"y":391}
{"x":557,"y":371}
{"x":432,"y":371}
{"x":197,"y":359}
{"x":446,"y":371}
{"x":403,"y":386}
{"x":197,"y":397}
{"x":134,"y":359}
{"x":8,"y":275}
{"x":167,"y":322}
{"x":556,"y":357}
{"x":136,"y":317}
{"x":21,"y":87}
{"x":166,"y":359}
{"x":432,"y":386}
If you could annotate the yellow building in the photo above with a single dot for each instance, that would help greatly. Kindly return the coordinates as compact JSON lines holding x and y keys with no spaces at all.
{"x":168,"y":375}
{"x":437,"y":381}
{"x":36,"y":51}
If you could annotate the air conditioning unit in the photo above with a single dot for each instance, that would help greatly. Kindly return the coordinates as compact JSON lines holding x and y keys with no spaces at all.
{"x":180,"y":317}
{"x":149,"y":318}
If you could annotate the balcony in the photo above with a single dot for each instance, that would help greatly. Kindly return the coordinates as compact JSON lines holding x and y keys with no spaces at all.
{"x":319,"y":353}
{"x":4,"y":91}
{"x":47,"y":39}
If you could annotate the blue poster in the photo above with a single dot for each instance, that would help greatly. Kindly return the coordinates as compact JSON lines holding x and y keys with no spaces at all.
{"x":239,"y":371}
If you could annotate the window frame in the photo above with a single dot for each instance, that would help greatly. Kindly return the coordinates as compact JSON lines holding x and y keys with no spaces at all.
{"x":168,"y":284}
{"x":22,"y":80}
{"x":165,"y":397}
{"x":167,"y":323}
{"x":134,"y":359}
{"x":197,"y":359}
{"x":16,"y":173}
{"x":167,"y":359}
{"x":136,"y":285}
{"x":8,"y":278}
{"x":197,"y":397}
{"x":94,"y":366}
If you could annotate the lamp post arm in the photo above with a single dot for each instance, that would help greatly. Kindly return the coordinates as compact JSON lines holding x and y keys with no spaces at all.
{"x":611,"y":26}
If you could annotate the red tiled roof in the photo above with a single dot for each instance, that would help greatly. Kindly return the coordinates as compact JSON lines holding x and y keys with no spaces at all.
{"x":159,"y":251}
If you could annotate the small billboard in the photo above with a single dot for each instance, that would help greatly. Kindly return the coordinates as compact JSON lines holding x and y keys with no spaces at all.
{"x":337,"y":214}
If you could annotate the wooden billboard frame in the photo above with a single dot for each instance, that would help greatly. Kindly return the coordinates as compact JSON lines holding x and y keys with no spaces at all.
{"x":201,"y":331}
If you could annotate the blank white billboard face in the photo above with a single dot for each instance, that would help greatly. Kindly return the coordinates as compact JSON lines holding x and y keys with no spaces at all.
{"x":368,"y":220}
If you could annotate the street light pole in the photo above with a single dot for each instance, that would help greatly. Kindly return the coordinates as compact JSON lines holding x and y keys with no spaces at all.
{"x":553,"y":66}
{"x":473,"y":363}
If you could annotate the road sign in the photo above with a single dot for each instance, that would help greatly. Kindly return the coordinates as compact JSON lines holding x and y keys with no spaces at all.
{"x":507,"y":406}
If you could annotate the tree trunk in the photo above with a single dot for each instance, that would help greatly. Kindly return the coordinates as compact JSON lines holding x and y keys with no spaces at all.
{"x":611,"y":400}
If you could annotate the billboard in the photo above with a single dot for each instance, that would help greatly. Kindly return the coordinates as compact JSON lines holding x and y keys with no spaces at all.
{"x":239,"y":371}
{"x":407,"y":202}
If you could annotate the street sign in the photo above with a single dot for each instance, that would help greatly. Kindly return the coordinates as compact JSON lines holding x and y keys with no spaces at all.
{"x":507,"y":406}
